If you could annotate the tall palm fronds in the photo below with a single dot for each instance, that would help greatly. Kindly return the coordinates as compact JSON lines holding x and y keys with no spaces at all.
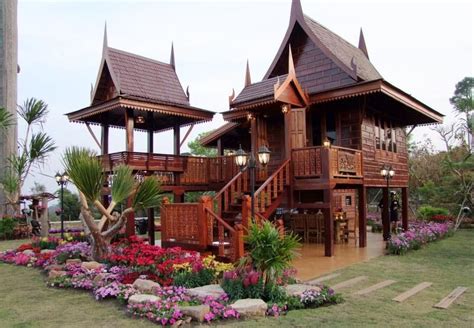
{"x":6,"y":119}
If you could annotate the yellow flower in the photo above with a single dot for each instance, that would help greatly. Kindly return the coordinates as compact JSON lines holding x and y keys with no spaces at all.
{"x":44,"y":239}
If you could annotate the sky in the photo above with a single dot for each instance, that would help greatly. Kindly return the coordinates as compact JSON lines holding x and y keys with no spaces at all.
{"x":422,"y":47}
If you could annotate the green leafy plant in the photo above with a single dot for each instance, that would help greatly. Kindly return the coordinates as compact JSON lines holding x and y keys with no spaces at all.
{"x":7,"y":227}
{"x":190,"y":279}
{"x":269,"y":252}
{"x":427,"y":212}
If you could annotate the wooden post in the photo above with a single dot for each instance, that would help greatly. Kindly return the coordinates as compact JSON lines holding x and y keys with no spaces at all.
{"x":238,"y":242}
{"x":204,"y":238}
{"x":129,"y":127}
{"x":253,"y":134}
{"x":328,"y":224}
{"x":287,"y":120}
{"x":246,"y":204}
{"x":362,"y":216}
{"x":176,"y":143}
{"x":405,"y":208}
{"x":164,"y":220}
{"x":130,"y":226}
{"x":220,"y":150}
{"x":385,"y":215}
{"x":104,"y":139}
{"x":151,"y":226}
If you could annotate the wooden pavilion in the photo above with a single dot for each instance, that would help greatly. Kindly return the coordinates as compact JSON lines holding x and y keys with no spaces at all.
{"x":329,"y":118}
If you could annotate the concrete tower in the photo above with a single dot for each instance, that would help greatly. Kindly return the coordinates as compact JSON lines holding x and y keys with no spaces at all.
{"x":8,"y":78}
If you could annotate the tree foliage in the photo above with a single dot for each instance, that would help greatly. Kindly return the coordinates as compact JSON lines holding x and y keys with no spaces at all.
{"x":196,"y":148}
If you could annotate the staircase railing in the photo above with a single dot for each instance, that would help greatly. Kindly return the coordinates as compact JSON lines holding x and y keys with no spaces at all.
{"x":231,"y":192}
{"x":272,"y":188}
{"x":230,"y":238}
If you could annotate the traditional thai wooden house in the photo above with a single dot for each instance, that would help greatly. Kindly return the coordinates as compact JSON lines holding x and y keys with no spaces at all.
{"x":329,"y":118}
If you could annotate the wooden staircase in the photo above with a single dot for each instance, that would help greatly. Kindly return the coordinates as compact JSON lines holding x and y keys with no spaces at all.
{"x":218,"y":224}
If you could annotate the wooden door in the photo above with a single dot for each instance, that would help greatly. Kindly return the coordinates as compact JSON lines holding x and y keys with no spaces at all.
{"x":297,"y":128}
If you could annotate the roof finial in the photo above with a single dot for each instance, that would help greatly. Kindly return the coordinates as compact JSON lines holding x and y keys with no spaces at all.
{"x":362,"y":45}
{"x":92,"y":91}
{"x":296,"y":10}
{"x":231,"y":98}
{"x":105,"y":44}
{"x":248,"y":80}
{"x":172,"y":57}
{"x":188,"y":95}
{"x":291,"y":65}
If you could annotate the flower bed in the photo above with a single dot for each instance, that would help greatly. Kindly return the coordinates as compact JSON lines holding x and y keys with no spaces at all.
{"x":419,"y":234}
{"x":175,"y":270}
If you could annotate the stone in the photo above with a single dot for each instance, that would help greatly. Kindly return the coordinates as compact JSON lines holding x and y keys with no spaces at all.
{"x":197,"y":312}
{"x":298,"y":289}
{"x":47,"y":251}
{"x":73,"y":261}
{"x":29,"y":252}
{"x":55,"y":274}
{"x":54,"y":267}
{"x":145,"y":286}
{"x":92,"y":265}
{"x":141,"y":298}
{"x":250,"y":307}
{"x":208,"y":290}
{"x":100,"y":277}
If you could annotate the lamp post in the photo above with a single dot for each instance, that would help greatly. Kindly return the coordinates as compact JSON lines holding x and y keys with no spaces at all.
{"x":62,"y":180}
{"x":387,"y":173}
{"x":241,"y":161}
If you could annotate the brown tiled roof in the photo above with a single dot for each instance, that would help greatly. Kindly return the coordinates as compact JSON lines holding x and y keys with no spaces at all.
{"x":257,"y":91}
{"x":145,"y":78}
{"x":217,"y":133}
{"x":343,"y":50}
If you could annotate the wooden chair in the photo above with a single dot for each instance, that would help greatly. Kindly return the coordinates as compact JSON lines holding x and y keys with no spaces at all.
{"x":315,"y":228}
{"x":353,"y":228}
{"x":299,"y":226}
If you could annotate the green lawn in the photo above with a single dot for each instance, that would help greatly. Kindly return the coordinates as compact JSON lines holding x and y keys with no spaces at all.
{"x":26,"y":302}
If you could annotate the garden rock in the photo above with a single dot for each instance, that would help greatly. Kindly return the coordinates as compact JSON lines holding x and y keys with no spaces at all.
{"x":73,"y":261}
{"x":55,"y":274}
{"x":196,"y":312}
{"x":250,"y":307}
{"x":298,"y":289}
{"x":145,"y":286}
{"x":29,"y":252}
{"x":54,"y":267}
{"x":142,"y":298}
{"x":205,"y":291}
{"x":91,"y":265}
{"x":47,"y":251}
{"x":98,"y":278}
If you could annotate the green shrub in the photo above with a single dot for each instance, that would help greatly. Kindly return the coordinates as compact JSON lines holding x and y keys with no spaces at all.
{"x":190,"y":279}
{"x":427,"y":212}
{"x":7,"y":226}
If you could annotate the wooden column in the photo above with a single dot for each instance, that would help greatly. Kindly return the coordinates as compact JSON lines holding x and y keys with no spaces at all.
{"x":151,"y":226}
{"x":177,"y":141}
{"x":253,"y":134}
{"x":150,"y":123}
{"x":287,"y":120}
{"x":405,"y":208}
{"x":104,"y":139}
{"x":178,"y":196}
{"x":385,"y":215}
{"x":328,"y":224}
{"x":129,"y":126}
{"x":220,"y":150}
{"x":362,"y":216}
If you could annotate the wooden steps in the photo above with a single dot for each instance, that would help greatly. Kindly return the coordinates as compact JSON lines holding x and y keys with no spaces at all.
{"x":448,"y":300}
{"x":375,"y":287}
{"x":349,"y":283}
{"x":409,"y":293}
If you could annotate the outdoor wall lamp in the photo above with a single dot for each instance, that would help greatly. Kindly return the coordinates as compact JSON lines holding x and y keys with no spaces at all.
{"x":139,"y":119}
{"x":62,"y":180}
{"x":326,"y":143}
{"x":285,"y":108}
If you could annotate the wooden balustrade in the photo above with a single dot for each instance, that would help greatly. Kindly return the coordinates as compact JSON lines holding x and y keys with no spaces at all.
{"x":182,"y":223}
{"x":272,"y":188}
{"x":231,"y":192}
{"x":332,"y":162}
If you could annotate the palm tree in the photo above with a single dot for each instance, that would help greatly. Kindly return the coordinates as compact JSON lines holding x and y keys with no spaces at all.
{"x":34,"y":149}
{"x":85,"y":171}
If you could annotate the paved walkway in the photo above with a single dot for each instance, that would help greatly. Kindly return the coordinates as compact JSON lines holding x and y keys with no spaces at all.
{"x":313,"y":263}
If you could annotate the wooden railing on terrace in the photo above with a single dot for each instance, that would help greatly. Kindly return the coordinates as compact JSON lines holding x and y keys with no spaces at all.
{"x":231,"y":192}
{"x":192,"y":170}
{"x":322,"y":162}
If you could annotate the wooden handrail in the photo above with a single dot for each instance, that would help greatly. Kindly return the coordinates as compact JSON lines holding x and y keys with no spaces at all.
{"x":271,"y":177}
{"x":333,"y":147}
{"x":220,"y":220}
{"x":228,"y":185}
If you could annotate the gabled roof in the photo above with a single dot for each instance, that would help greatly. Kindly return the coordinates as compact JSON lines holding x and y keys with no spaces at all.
{"x":217,"y":133}
{"x":138,"y":76}
{"x":258,"y":91}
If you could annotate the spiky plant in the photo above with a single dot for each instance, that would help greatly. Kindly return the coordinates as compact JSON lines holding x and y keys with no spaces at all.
{"x":85,"y":171}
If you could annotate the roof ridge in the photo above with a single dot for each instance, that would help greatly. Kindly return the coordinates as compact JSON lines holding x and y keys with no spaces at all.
{"x":139,"y":56}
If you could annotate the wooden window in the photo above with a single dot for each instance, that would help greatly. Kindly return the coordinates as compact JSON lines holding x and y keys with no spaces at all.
{"x":394,"y":140}
{"x":377,"y":134}
{"x":389,"y":136}
{"x":331,"y":127}
{"x":348,"y":200}
{"x":382,"y":136}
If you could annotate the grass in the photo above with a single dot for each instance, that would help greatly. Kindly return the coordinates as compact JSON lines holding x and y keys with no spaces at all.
{"x":27,"y":302}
